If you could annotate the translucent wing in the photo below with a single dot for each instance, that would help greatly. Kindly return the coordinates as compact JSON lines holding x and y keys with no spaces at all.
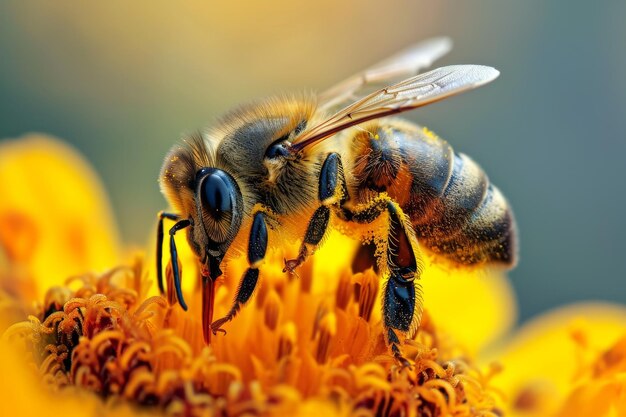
{"x":411,"y":93}
{"x":404,"y":64}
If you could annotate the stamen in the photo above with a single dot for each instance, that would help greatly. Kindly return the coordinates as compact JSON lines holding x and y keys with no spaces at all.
{"x":327,"y":329}
{"x":286,"y":340}
{"x":344,"y":289}
{"x":301,"y":340}
{"x":306,"y":276}
{"x":272,"y":310}
{"x":55,"y":299}
{"x":367,"y":293}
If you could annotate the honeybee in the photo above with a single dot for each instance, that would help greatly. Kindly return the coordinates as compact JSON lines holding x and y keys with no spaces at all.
{"x":288,"y":167}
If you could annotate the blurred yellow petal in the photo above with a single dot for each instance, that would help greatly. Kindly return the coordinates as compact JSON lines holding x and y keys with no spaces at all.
{"x":601,"y":390}
{"x":55,"y":219}
{"x":544,"y":360}
{"x":477,"y":306}
{"x":598,"y":399}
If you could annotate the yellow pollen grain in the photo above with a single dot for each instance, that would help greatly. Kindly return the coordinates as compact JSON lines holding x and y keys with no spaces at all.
{"x":429,"y":133}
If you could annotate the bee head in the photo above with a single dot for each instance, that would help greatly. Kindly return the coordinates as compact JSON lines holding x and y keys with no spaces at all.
{"x":215,"y":177}
{"x":206,"y":193}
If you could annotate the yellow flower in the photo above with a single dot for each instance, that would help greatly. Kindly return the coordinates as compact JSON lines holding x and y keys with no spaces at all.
{"x":570,"y":362}
{"x":101,"y":342}
{"x":55,"y":220}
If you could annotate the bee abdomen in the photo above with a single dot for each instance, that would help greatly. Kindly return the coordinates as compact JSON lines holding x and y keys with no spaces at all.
{"x":488,"y":235}
{"x":471,"y":223}
{"x":455,"y":211}
{"x":463,"y":194}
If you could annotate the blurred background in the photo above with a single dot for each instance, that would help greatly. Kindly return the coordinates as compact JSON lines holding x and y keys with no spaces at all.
{"x":122,"y":81}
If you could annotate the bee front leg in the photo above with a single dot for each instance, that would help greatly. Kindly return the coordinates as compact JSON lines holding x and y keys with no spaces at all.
{"x":181,"y":224}
{"x":332,"y":193}
{"x":257,"y":246}
{"x":159,"y":246}
{"x":402,"y":307}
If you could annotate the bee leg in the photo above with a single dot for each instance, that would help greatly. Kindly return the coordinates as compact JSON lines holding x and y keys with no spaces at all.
{"x":332,"y":193}
{"x":159,"y":247}
{"x":401,"y":299}
{"x":174,"y":258}
{"x":257,"y":246}
{"x":402,"y":307}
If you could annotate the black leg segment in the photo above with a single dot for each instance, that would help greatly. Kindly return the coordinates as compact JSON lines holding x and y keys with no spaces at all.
{"x":332,"y":192}
{"x":246,"y":289}
{"x":399,"y":303}
{"x":174,"y":257}
{"x":159,"y":247}
{"x":332,"y":178}
{"x":257,"y":246}
{"x":317,"y":226}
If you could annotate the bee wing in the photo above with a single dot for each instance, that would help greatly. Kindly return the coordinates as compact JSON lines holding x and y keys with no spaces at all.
{"x":411,"y":93}
{"x":393,"y":69}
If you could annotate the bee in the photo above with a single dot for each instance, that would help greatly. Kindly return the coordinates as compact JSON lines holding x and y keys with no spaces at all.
{"x":287,"y":168}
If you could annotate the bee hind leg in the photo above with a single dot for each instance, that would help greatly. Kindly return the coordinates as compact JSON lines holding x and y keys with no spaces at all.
{"x":402,"y":305}
{"x":332,"y":193}
{"x":257,"y":246}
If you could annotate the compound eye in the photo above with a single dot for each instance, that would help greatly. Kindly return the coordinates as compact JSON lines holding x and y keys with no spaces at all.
{"x":277,"y":150}
{"x":217,"y":193}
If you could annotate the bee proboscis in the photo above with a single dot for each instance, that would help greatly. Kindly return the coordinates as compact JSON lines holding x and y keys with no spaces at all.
{"x":291,"y":165}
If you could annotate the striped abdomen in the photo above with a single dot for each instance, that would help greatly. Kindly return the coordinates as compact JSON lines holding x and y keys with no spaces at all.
{"x":455,"y":211}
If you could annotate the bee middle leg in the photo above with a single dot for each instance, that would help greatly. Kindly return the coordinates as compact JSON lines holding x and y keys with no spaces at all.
{"x":332,"y":193}
{"x":257,"y":246}
{"x":402,"y":301}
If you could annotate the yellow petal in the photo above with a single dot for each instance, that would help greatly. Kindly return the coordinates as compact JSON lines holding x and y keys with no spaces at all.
{"x":544,"y":359}
{"x":476,"y":306}
{"x":597,"y":398}
{"x":55,"y":219}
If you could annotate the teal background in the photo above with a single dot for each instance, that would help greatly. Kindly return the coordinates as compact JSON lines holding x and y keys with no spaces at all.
{"x":122,"y":81}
